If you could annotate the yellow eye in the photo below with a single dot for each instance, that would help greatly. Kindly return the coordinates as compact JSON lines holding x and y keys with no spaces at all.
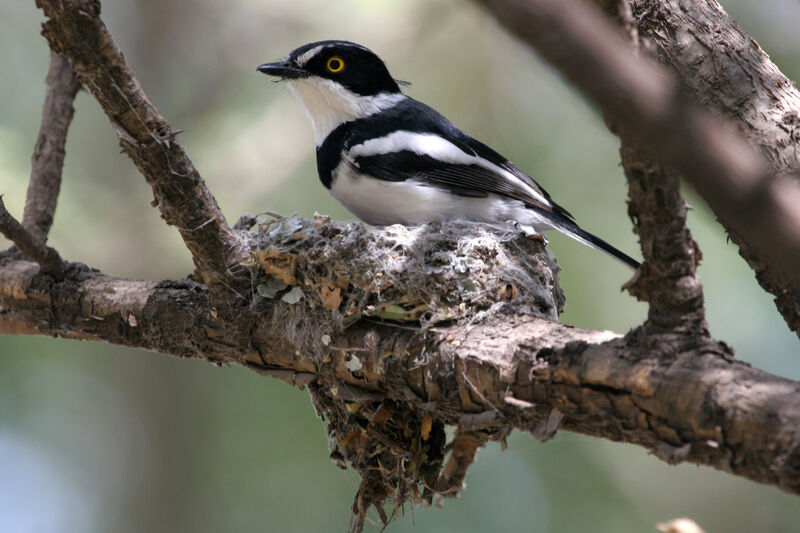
{"x":335,"y":64}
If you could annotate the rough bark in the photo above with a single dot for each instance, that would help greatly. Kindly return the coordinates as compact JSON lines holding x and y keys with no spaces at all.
{"x":48,"y":258}
{"x":48,"y":155}
{"x":757,"y":206}
{"x":397,"y":333}
{"x":681,"y":402}
{"x":74,"y":29}
{"x":668,"y":278}
{"x":728,"y":72}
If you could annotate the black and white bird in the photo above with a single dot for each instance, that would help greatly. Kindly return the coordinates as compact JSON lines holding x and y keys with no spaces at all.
{"x":390,"y":159}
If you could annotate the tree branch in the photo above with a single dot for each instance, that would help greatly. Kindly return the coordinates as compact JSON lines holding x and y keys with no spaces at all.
{"x":680,"y":400}
{"x":397,"y":332}
{"x":761,"y":209}
{"x":48,"y":155}
{"x":12,"y":230}
{"x":668,"y":278}
{"x":74,"y":29}
{"x":712,"y":56}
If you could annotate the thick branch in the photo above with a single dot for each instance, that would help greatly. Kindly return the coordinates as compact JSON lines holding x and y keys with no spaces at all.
{"x":48,"y":155}
{"x":761,"y":209}
{"x":698,"y":406}
{"x":729,"y":72}
{"x":34,"y":248}
{"x":489,"y":358}
{"x":74,"y":29}
{"x":681,"y":400}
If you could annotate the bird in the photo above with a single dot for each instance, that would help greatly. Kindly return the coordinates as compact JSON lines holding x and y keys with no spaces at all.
{"x":390,"y":159}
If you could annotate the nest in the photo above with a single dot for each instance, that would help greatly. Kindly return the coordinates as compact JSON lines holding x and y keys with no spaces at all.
{"x":429,"y":274}
{"x":397,"y":450}
{"x":321,"y":276}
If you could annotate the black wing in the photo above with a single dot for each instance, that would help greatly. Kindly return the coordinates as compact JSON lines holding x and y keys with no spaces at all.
{"x":464,"y":179}
{"x":506,"y":188}
{"x":497,"y":183}
{"x":471,"y":180}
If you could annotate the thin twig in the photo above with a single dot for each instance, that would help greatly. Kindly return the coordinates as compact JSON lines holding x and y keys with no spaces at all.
{"x":46,"y":256}
{"x":74,"y":28}
{"x":48,"y":154}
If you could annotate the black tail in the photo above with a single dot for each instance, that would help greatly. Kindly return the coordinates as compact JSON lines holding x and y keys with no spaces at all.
{"x":570,"y":229}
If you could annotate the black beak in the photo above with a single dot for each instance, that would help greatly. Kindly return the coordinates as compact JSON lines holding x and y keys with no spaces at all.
{"x":282,"y":69}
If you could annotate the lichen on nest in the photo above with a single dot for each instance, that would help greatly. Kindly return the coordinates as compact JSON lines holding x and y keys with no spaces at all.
{"x":323,"y":274}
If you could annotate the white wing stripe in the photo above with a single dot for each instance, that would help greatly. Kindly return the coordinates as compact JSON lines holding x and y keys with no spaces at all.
{"x":438,"y":148}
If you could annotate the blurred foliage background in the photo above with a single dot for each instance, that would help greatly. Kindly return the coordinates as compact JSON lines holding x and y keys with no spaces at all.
{"x":95,"y":437}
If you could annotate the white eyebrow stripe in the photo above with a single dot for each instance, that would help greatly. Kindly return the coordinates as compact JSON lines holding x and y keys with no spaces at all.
{"x":306,"y":56}
{"x":438,"y":148}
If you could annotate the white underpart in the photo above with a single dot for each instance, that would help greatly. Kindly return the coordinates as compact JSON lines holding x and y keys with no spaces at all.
{"x":437,"y":148}
{"x":328,"y":104}
{"x":411,"y":202}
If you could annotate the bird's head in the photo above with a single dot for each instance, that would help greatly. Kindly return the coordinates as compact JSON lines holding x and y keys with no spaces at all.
{"x":336,"y":81}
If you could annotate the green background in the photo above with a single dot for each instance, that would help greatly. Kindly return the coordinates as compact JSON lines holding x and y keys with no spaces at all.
{"x":94,"y":437}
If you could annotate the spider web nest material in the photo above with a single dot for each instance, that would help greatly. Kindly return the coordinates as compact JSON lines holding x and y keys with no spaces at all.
{"x":343,"y":271}
{"x":322,"y":276}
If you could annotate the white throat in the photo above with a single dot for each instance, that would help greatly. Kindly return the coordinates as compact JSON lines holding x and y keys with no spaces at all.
{"x":328,"y":104}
